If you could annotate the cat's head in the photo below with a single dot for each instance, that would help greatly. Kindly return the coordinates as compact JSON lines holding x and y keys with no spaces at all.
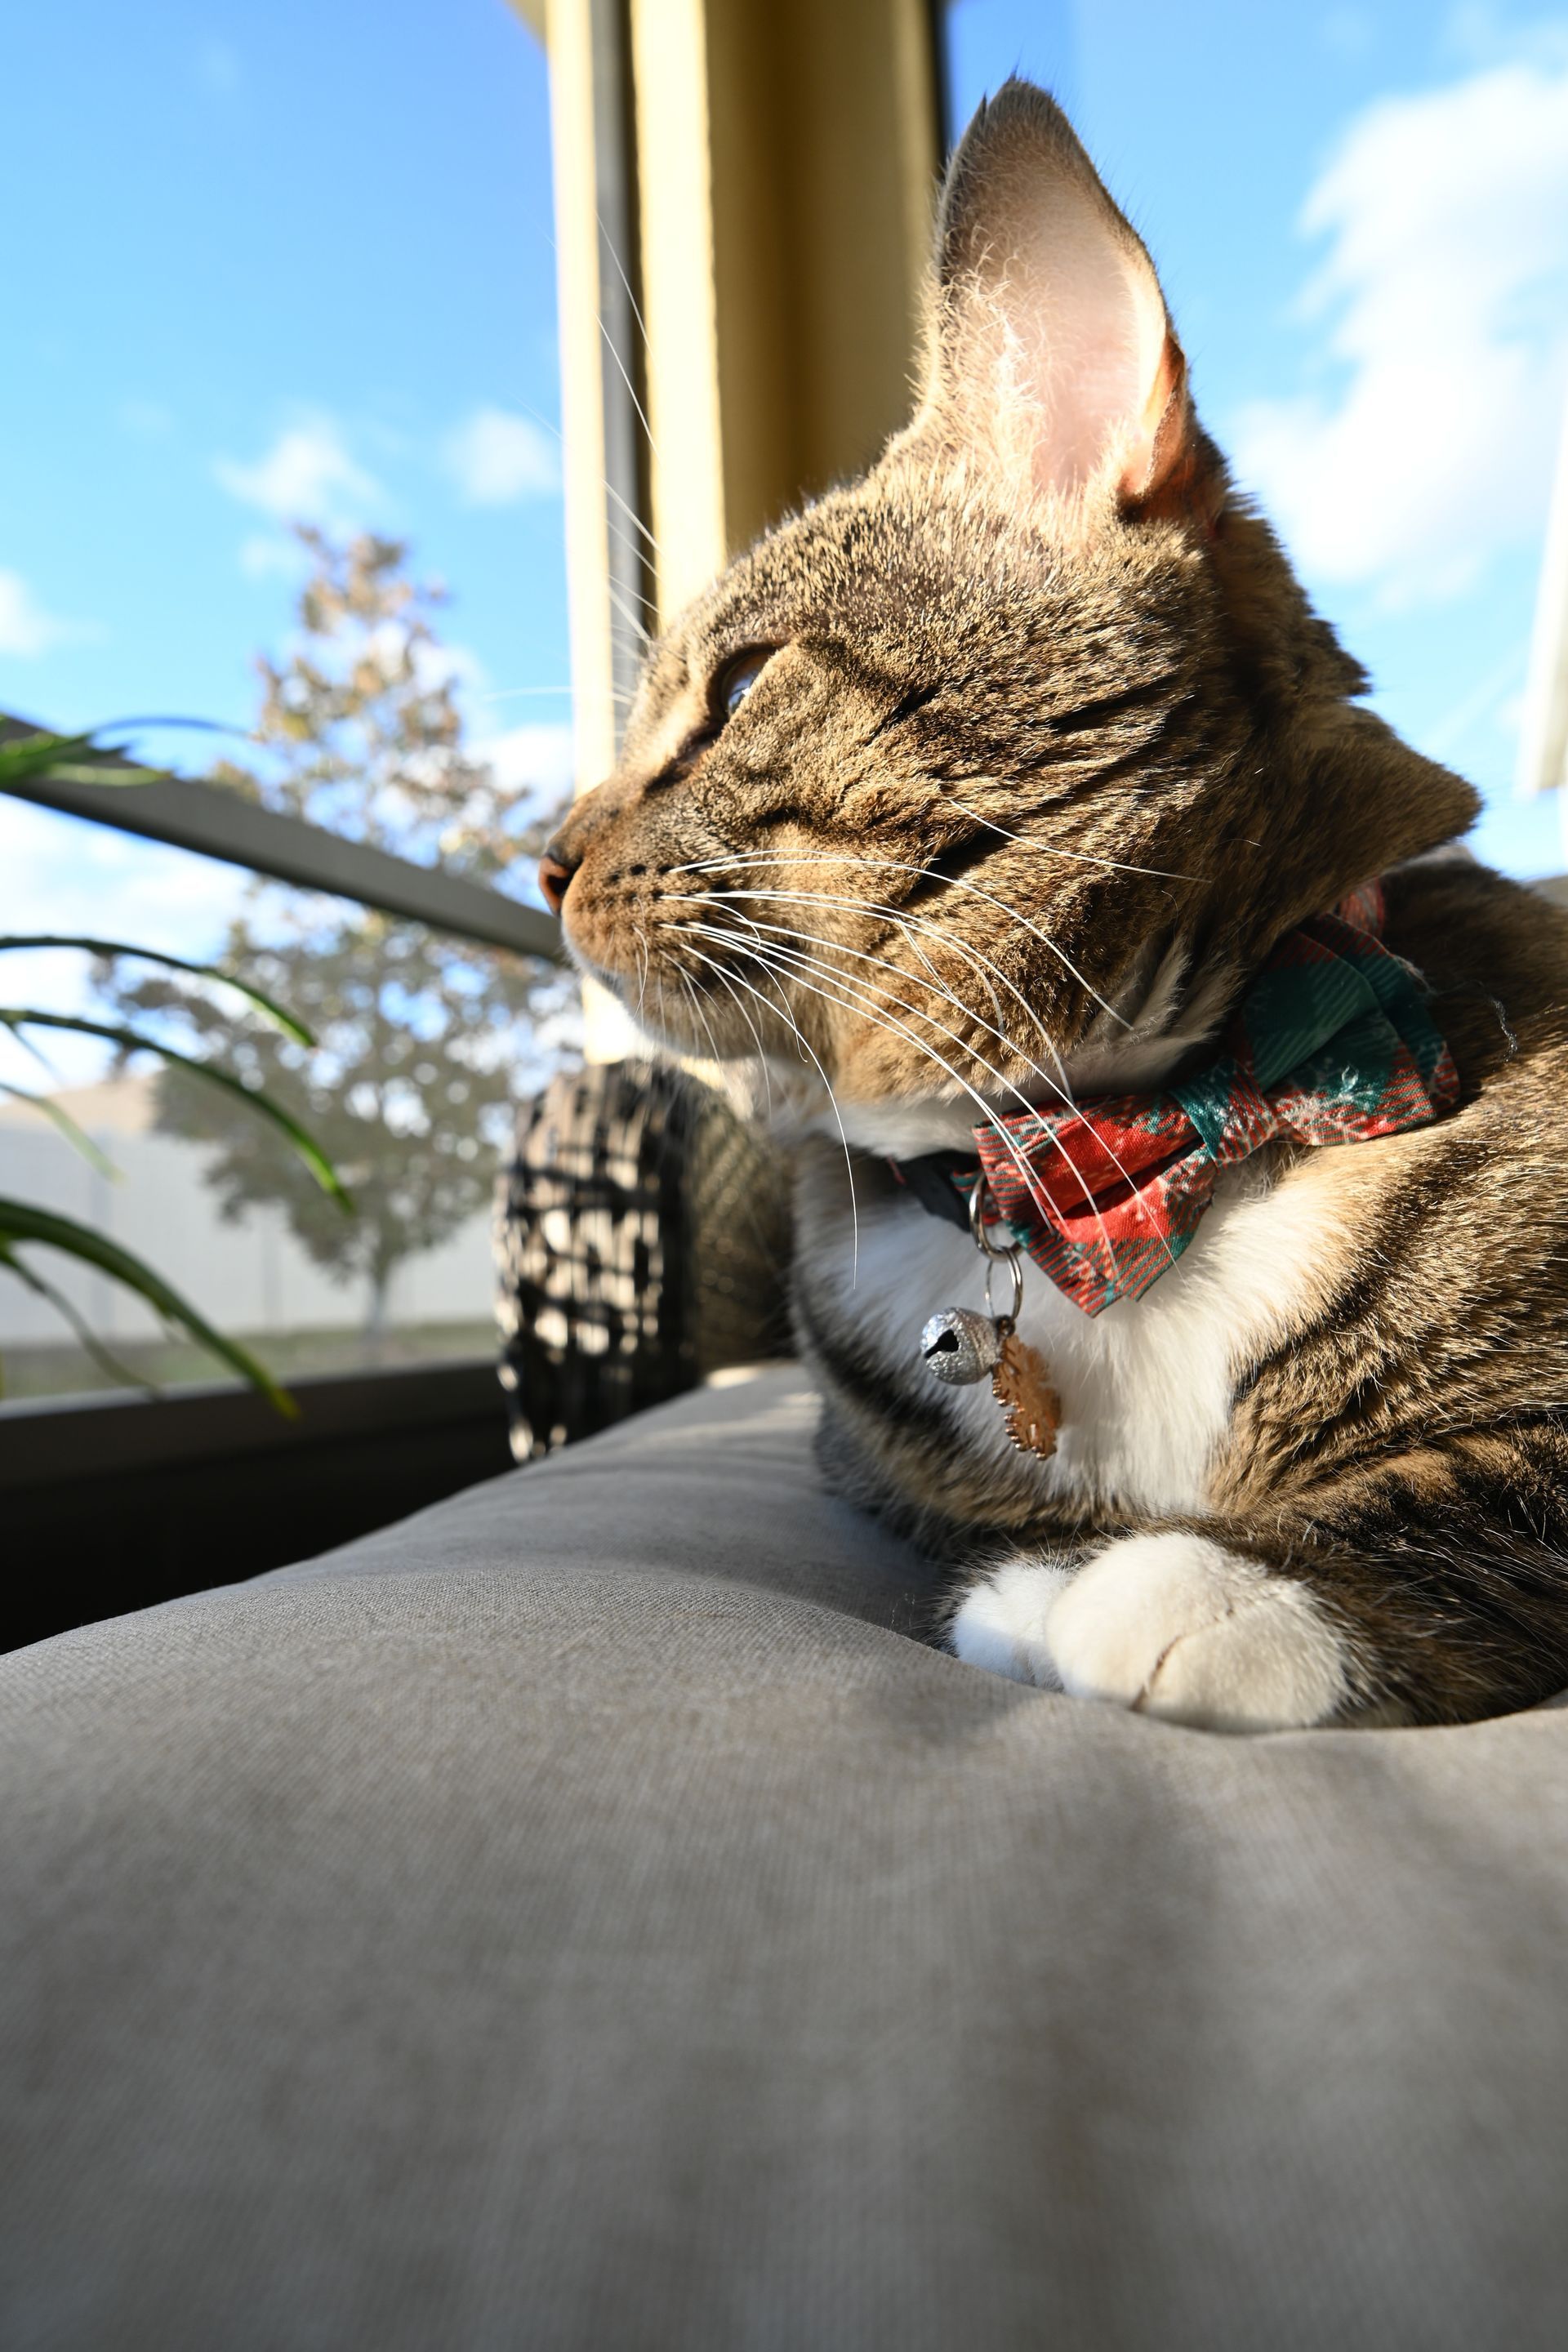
{"x":1020,"y":752}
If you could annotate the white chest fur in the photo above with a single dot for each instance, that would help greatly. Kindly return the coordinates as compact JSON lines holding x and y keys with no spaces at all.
{"x":1146,"y":1386}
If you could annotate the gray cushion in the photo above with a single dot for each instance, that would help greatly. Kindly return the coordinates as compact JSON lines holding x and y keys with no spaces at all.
{"x":582,"y":1917}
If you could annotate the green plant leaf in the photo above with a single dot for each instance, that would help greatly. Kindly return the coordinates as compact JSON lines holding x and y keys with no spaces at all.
{"x":285,"y":1021}
{"x":87,"y":1338}
{"x":131,"y":1041}
{"x":21,"y":1221}
{"x":121,"y":773}
{"x":76,"y":1136}
{"x":22,"y":757}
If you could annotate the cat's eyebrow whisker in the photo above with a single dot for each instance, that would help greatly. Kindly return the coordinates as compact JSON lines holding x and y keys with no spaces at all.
{"x":633,"y":549}
{"x":861,"y":1000}
{"x":540,"y":418}
{"x":621,"y":274}
{"x":804,"y":1042}
{"x":1054,"y":849}
{"x":632,"y":516}
{"x":615,"y":694}
{"x":625,"y":379}
{"x":924,"y":872}
{"x":630,"y":619}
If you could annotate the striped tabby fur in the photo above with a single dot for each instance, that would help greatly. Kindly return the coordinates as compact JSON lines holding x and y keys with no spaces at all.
{"x":995,"y":776}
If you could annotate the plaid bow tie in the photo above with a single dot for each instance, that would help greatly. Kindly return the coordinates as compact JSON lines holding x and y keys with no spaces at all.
{"x":1331,"y":1043}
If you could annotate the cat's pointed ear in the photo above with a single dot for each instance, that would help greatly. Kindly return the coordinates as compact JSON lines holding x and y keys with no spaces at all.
{"x":1051,"y":359}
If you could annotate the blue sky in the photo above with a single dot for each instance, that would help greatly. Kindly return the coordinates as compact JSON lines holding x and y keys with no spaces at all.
{"x":261,"y":260}
{"x":264,"y":259}
{"x":1359,"y":216}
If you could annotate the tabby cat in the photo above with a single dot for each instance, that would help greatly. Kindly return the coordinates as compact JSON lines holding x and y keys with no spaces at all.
{"x":1021,"y":774}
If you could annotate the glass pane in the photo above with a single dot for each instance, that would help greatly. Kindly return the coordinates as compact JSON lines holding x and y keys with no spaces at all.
{"x":300,"y":273}
{"x":425,"y":1044}
{"x":279,"y":451}
{"x":1359,"y":216}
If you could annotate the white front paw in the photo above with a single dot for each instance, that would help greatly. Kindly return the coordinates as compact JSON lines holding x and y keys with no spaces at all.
{"x":1173,"y":1625}
{"x":1002,"y":1623}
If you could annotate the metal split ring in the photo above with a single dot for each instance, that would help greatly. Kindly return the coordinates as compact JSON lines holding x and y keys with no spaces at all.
{"x":992,"y":1255}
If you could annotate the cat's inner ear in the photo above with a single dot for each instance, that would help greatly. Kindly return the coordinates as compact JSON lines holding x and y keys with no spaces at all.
{"x":1052,"y":361}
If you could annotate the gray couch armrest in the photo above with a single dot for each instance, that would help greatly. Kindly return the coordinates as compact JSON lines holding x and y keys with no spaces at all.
{"x":582,"y":1917}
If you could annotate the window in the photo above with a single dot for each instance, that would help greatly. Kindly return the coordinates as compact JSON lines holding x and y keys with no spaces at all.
{"x":311,"y":283}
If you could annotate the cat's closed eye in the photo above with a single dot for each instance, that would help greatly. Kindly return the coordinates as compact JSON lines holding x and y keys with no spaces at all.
{"x":735,"y":680}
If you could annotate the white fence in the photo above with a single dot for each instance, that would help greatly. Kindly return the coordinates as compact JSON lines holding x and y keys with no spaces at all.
{"x":251,"y":1276}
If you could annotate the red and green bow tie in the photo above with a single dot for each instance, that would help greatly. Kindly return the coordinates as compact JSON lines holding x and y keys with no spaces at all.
{"x":1331,"y":1043}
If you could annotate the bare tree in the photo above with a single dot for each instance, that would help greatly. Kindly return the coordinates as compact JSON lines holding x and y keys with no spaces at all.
{"x":424,"y":1042}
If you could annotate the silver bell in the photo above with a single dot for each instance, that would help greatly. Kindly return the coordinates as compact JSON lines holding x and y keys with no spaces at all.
{"x":960,"y":1346}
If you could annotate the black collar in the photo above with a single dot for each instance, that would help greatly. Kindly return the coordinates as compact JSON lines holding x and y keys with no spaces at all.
{"x":930,"y":1180}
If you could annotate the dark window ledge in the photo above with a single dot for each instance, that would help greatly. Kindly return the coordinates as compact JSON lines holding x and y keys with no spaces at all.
{"x":106,"y":1434}
{"x":109,"y":1504}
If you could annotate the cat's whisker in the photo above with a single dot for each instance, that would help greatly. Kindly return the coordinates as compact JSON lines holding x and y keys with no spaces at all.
{"x":981,"y":966}
{"x":630,"y":619}
{"x":920,"y":1014}
{"x":609,"y":243}
{"x":923,"y":873}
{"x":1054,"y":849}
{"x":756,"y":1033}
{"x":991,"y":1071}
{"x":861,"y":1000}
{"x":745,"y":1015}
{"x":635,"y":552}
{"x":880,"y":963}
{"x":907,"y":925}
{"x":540,"y":418}
{"x":857,"y":1001}
{"x":804,"y":1042}
{"x":632,"y":516}
{"x":697,"y":1006}
{"x":631,"y":388}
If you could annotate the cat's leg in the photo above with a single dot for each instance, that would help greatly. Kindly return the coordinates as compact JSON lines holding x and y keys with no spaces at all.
{"x":1435,"y":1591}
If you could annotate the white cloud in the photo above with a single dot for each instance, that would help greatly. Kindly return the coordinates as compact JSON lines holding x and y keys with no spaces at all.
{"x":26,"y":630}
{"x":496,"y":459}
{"x":264,"y":557}
{"x":307,"y":476}
{"x":77,"y":877}
{"x":448,"y":663}
{"x":534,"y":758}
{"x":1446,"y":280}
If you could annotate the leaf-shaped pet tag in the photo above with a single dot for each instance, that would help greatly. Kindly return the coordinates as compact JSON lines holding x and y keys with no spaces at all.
{"x":1022,"y":1387}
